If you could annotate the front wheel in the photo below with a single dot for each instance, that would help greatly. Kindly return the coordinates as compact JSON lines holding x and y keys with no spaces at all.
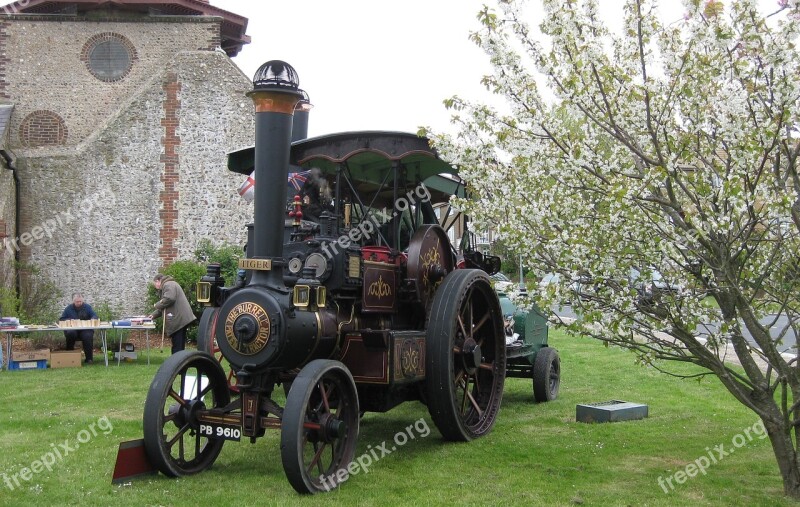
{"x":187,"y":383}
{"x":465,"y":363}
{"x":319,"y":428}
{"x":546,"y":375}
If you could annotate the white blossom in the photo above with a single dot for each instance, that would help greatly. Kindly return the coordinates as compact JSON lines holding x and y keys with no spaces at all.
{"x":664,"y":149}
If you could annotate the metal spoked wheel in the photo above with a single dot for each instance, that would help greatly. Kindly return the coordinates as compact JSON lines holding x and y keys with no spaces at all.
{"x":546,"y":375}
{"x":465,"y":356}
{"x":206,"y":342}
{"x":319,"y":429}
{"x":188,"y":382}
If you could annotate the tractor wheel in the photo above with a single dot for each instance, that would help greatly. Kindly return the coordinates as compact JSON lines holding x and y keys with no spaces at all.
{"x":207,"y":342}
{"x":188,"y":382}
{"x":465,"y":363}
{"x":319,"y":429}
{"x":546,"y":375}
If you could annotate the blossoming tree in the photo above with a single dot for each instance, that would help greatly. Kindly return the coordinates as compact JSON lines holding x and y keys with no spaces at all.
{"x":661,"y":150}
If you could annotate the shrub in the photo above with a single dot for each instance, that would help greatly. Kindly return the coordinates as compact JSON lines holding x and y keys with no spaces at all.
{"x":226,"y":255}
{"x":37,"y":300}
{"x":106,"y":312}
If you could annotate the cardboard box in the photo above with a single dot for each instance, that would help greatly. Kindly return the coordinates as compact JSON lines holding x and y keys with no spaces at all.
{"x":36,"y":355}
{"x":65,"y":359}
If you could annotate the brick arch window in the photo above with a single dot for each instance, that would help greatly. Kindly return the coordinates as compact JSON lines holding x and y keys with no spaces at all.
{"x":43,"y":128}
{"x":109,"y":56}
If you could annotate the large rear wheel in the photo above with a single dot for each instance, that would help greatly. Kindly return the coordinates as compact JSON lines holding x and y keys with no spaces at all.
{"x":465,"y":363}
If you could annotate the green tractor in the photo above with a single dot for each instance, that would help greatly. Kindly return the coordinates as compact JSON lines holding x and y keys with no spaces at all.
{"x":528,"y":355}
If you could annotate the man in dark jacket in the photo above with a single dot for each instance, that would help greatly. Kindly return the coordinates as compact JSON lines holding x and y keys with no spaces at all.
{"x":79,"y":310}
{"x":175,"y":308}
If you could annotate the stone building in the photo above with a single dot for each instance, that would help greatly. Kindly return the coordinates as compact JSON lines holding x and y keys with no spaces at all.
{"x":8,"y":196}
{"x":115,"y":118}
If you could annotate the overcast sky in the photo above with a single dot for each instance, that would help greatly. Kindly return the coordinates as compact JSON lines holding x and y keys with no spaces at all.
{"x":378,"y":64}
{"x":368,"y":64}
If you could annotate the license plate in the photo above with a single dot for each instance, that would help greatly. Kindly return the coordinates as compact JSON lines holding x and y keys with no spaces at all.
{"x":223,"y":431}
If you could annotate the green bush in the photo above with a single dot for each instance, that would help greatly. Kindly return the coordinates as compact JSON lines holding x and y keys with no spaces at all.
{"x":105,"y":312}
{"x":226,"y":255}
{"x":35,"y":303}
{"x":9,"y":302}
{"x":37,"y":300}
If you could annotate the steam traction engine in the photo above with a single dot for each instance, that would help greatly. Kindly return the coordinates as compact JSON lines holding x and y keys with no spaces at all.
{"x":351,"y":303}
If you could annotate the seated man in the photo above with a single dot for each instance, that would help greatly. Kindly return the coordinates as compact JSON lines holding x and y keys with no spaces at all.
{"x":80,"y":311}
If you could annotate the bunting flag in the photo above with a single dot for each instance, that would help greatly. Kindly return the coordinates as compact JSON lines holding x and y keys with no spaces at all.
{"x":295,"y":181}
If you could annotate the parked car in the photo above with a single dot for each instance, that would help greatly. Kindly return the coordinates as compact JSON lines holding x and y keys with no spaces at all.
{"x":650,"y":290}
{"x":584,"y":287}
{"x":581,"y":287}
{"x":577,"y":287}
{"x":549,"y":279}
{"x":501,"y":282}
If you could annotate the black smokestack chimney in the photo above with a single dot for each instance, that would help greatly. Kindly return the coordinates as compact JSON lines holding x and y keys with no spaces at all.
{"x":301,"y":112}
{"x":275,"y":94}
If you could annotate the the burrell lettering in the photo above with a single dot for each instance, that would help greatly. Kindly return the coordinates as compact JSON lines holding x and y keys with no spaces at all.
{"x":242,"y":344}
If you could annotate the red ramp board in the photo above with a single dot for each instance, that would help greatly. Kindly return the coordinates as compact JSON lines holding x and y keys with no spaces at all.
{"x":132,"y":462}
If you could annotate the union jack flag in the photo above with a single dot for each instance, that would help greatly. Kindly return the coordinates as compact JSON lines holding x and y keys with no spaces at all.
{"x":294,"y":180}
{"x":297,"y":180}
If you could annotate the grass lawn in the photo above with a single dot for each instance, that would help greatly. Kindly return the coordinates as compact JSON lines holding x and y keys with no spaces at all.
{"x":535,"y":455}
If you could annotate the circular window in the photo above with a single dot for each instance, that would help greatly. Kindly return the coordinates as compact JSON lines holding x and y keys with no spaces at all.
{"x":109,"y":56}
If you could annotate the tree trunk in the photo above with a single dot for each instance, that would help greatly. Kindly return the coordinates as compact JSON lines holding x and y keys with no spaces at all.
{"x":786,"y":456}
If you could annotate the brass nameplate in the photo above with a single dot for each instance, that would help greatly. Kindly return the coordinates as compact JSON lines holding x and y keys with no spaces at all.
{"x":256,"y":264}
{"x":354,"y":267}
{"x":257,"y":344}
